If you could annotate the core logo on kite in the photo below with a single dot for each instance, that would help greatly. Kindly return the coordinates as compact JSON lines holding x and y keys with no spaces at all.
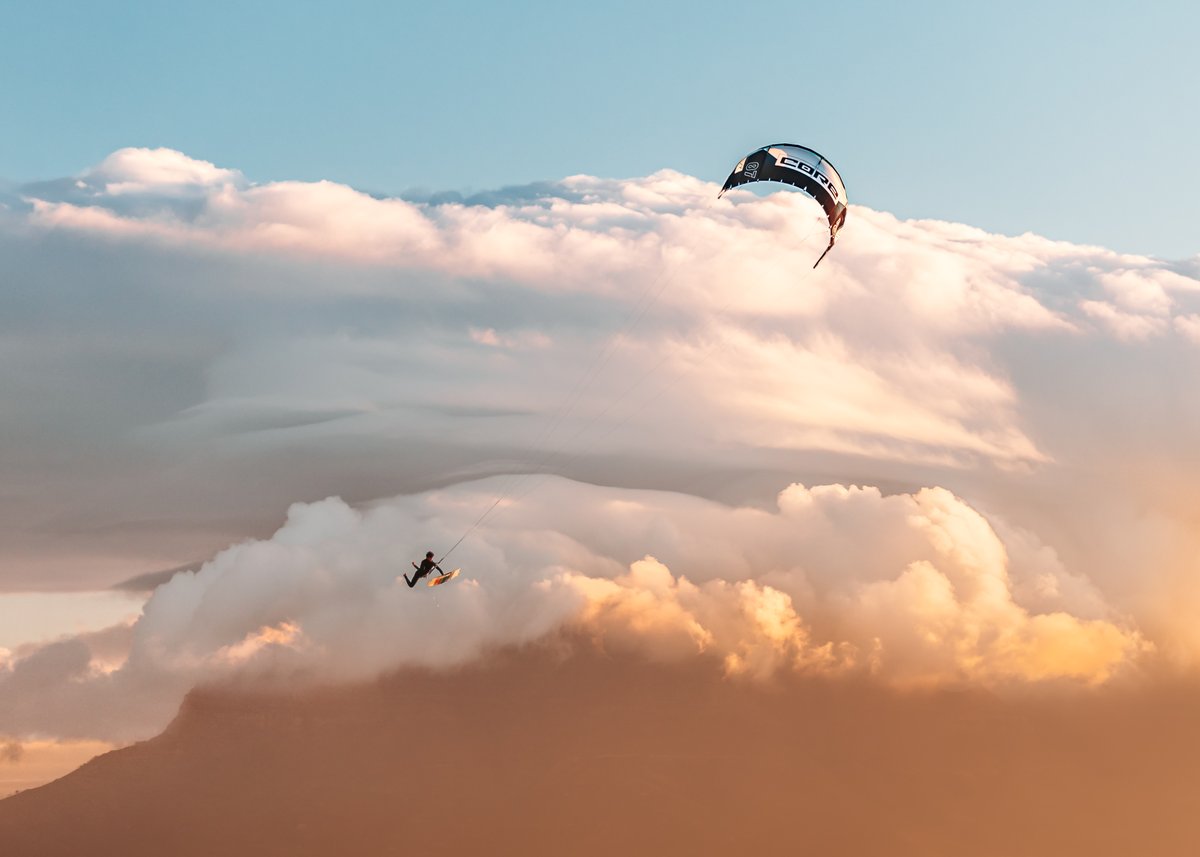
{"x":793,"y":164}
{"x":751,"y":170}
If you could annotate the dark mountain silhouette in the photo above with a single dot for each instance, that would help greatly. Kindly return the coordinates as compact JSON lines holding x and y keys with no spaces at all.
{"x":535,"y":754}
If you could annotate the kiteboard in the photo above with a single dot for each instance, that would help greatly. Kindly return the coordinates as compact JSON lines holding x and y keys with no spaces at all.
{"x":442,"y":578}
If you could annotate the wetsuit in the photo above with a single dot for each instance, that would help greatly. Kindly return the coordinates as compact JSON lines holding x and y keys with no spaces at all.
{"x":427,"y":566}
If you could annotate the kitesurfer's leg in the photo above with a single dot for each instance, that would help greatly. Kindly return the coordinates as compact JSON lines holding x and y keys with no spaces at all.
{"x":411,"y":583}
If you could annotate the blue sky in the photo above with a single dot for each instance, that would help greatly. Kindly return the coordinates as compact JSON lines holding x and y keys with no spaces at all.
{"x":1069,"y":119}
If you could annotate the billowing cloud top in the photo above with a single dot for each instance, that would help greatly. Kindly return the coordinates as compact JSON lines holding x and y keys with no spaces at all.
{"x":195,"y":352}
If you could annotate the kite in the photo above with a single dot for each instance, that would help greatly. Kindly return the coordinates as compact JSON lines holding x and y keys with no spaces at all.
{"x":800,"y":167}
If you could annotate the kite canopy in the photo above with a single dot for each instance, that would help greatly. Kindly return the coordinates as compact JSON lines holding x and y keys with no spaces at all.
{"x":800,"y":167}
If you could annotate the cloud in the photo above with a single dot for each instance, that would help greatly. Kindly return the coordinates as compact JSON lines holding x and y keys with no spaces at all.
{"x":133,"y":170}
{"x":11,"y":751}
{"x":754,"y":629}
{"x":821,"y":394}
{"x":488,"y":336}
{"x":196,"y":321}
{"x":33,"y":763}
{"x":1125,"y":325}
{"x":1189,"y":326}
{"x":927,"y":599}
{"x":285,"y":635}
{"x":188,"y":353}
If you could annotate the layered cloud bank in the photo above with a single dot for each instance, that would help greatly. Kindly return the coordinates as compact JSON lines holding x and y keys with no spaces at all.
{"x":999,"y":431}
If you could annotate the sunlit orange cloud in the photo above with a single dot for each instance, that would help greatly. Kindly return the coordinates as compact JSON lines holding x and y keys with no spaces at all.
{"x":910,"y":588}
{"x":285,"y":634}
{"x":837,"y":581}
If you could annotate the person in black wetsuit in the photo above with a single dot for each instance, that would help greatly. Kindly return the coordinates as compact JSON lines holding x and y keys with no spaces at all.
{"x":427,"y":565}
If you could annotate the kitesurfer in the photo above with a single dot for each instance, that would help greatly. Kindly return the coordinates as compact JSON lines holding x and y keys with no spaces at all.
{"x":423,"y":570}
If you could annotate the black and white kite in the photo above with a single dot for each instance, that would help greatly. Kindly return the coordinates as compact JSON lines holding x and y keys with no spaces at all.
{"x":800,"y":167}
